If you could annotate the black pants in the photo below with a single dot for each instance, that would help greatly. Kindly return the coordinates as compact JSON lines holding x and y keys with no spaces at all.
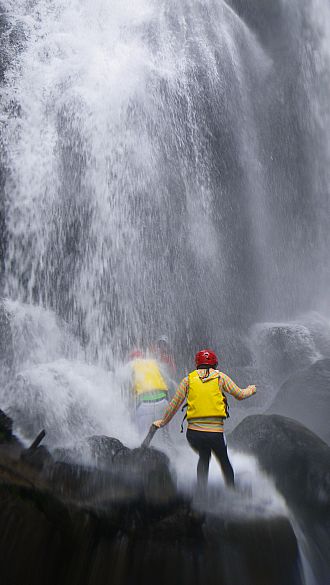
{"x":204,"y":444}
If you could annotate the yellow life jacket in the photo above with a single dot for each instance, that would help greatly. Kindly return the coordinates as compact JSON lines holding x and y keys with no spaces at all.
{"x":205,"y":398}
{"x":147,"y":377}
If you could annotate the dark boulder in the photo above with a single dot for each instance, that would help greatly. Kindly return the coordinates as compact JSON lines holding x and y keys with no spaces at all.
{"x":97,"y":450}
{"x":104,"y":449}
{"x":151,"y":469}
{"x":282,"y":349}
{"x":319,"y":328}
{"x":298,"y":460}
{"x":7,"y":437}
{"x":54,"y":538}
{"x":305,"y":397}
{"x":299,"y":463}
{"x":70,"y":524}
{"x":38,"y":457}
{"x":142,"y":471}
{"x":6,"y":428}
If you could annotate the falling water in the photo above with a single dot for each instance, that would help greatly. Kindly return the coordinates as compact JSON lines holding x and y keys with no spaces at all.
{"x":138,"y":179}
{"x":117,"y":120}
{"x":165,"y":168}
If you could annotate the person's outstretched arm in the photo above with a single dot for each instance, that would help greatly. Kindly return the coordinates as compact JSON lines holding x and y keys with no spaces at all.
{"x":231,"y":388}
{"x":175,"y":404}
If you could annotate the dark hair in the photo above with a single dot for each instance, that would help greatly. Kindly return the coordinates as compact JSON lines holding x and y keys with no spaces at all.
{"x":206,"y":366}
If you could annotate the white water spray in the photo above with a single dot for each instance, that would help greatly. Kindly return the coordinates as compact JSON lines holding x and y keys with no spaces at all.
{"x":109,"y":171}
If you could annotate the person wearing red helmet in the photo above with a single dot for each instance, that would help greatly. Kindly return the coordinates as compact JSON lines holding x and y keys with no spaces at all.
{"x":204,"y":391}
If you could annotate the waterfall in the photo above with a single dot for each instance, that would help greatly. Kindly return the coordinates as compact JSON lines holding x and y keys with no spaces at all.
{"x":164,"y":169}
{"x":121,"y":127}
{"x":146,"y":155}
{"x":145,"y":164}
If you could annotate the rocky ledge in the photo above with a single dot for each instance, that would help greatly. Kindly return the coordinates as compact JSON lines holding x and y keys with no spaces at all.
{"x":299,"y":463}
{"x":124,"y":523}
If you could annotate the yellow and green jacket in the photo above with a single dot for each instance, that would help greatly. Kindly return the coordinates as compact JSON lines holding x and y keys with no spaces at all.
{"x":148,"y":383}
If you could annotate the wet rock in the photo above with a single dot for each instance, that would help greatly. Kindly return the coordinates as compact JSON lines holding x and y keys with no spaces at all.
{"x":319,"y":328}
{"x":282,"y":349}
{"x":305,"y":396}
{"x":70,"y":454}
{"x":97,"y":450}
{"x":296,"y":458}
{"x":104,"y":449}
{"x":38,"y":457}
{"x":73,"y":481}
{"x":50,"y":538}
{"x":299,"y":463}
{"x":249,"y":548}
{"x":142,"y":471}
{"x":151,"y":469}
{"x":6,"y":428}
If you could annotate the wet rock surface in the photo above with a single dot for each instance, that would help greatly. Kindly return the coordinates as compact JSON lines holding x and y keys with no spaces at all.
{"x":298,"y":460}
{"x":6,"y":428}
{"x":72,"y":524}
{"x":282,"y":349}
{"x":299,"y":463}
{"x":305,"y":396}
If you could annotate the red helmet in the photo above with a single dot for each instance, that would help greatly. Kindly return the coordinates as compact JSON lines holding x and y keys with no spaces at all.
{"x":135,"y":354}
{"x":206,"y":357}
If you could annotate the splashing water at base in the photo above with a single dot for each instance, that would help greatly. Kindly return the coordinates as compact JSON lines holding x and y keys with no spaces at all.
{"x":255,"y":494}
{"x":73,"y":400}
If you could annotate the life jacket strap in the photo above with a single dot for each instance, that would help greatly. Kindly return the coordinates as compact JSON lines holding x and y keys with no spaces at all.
{"x":185,"y":406}
{"x":226,"y":405}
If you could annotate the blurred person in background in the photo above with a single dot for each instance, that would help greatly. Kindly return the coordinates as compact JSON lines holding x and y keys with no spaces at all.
{"x":148,"y":389}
